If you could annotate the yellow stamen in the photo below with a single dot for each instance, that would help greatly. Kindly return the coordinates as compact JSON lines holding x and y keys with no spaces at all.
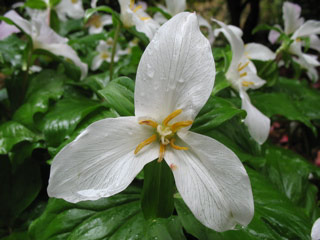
{"x":246,"y":83}
{"x":149,"y":123}
{"x":74,"y":1}
{"x":104,"y":55}
{"x":175,"y":146}
{"x":145,"y":143}
{"x":171,"y":116}
{"x":137,"y":8}
{"x":243,"y":74}
{"x":176,"y":126}
{"x":240,"y":68}
{"x":161,"y":152}
{"x":131,"y":4}
{"x":298,"y":39}
{"x":145,"y":18}
{"x":95,"y":21}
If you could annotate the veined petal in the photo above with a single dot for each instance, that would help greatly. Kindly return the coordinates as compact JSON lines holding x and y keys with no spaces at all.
{"x":258,"y":124}
{"x":66,"y":51}
{"x":21,"y":22}
{"x":7,"y":29}
{"x":308,"y":28}
{"x":176,"y":71}
{"x":100,"y":162}
{"x":315,"y":42}
{"x":291,"y":17}
{"x":236,"y":43}
{"x":96,"y":62}
{"x":176,"y":6}
{"x":315,"y":232}
{"x":259,"y":52}
{"x":212,"y":181}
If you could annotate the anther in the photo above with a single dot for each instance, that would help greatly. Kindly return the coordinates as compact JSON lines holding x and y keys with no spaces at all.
{"x":131,"y":4}
{"x":247,"y":83}
{"x":145,"y":18}
{"x":176,"y":126}
{"x":240,"y":68}
{"x":149,"y":123}
{"x":171,"y":116}
{"x":175,"y":146}
{"x":243,"y":74}
{"x":137,"y":8}
{"x":145,"y":143}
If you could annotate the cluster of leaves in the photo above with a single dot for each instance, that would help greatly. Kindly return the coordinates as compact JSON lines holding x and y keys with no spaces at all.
{"x":42,"y":112}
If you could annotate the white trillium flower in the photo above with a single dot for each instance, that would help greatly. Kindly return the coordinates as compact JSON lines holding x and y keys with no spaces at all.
{"x":105,"y":51}
{"x":173,"y":7}
{"x":97,"y":22}
{"x":243,"y":76}
{"x":94,"y":3}
{"x":43,"y":37}
{"x":315,"y":232}
{"x":134,"y":15}
{"x":297,"y":28}
{"x":174,"y":80}
{"x":70,"y":8}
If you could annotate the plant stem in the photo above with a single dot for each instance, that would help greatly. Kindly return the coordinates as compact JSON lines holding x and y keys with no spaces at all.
{"x":114,"y":47}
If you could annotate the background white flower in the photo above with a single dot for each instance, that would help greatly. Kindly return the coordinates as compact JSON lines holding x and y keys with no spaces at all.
{"x":134,"y":15}
{"x":97,"y":22}
{"x":174,"y":80}
{"x":243,"y":76}
{"x":70,"y":8}
{"x":43,"y":37}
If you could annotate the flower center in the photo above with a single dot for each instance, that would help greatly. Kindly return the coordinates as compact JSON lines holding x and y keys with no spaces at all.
{"x":95,"y":21}
{"x":240,"y":68}
{"x":105,"y":55}
{"x":165,"y":133}
{"x":74,"y":1}
{"x":136,"y":8}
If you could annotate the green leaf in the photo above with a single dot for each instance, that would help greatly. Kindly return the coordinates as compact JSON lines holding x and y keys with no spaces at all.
{"x":119,"y":95}
{"x":158,"y":190}
{"x":91,"y":11}
{"x":290,"y":173}
{"x":220,"y":83}
{"x":215,"y":112}
{"x":36,"y":4}
{"x":17,"y":236}
{"x":63,"y":118}
{"x":46,"y":86}
{"x":275,"y":217}
{"x":264,"y":27}
{"x":12,"y":133}
{"x":279,"y":103}
{"x":116,"y":218}
{"x":18,"y":188}
{"x":11,"y":49}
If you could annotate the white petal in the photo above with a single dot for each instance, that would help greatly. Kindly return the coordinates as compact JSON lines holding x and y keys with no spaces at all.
{"x":176,"y":71}
{"x":274,"y":35}
{"x":254,"y":78}
{"x":7,"y":29}
{"x":212,"y":181}
{"x":291,"y":14}
{"x":94,"y":3}
{"x":66,"y":51}
{"x":315,"y":232}
{"x":21,"y":22}
{"x":96,"y":62}
{"x":258,"y":124}
{"x":72,"y":10}
{"x":159,"y":18}
{"x":106,"y":20}
{"x":176,"y":6}
{"x":259,"y":52}
{"x":95,"y":30}
{"x":204,"y":23}
{"x":236,"y":43}
{"x":45,"y":34}
{"x":315,"y":42}
{"x":308,"y":28}
{"x":148,"y":26}
{"x":100,"y":162}
{"x":103,"y":46}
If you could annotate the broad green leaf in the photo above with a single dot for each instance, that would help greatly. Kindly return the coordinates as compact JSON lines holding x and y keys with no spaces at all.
{"x":11,"y":49}
{"x":46,"y":86}
{"x":215,"y":112}
{"x":12,"y":133}
{"x":18,"y":188}
{"x":119,"y":95}
{"x":118,"y":217}
{"x":158,"y":190}
{"x":302,"y":94}
{"x":279,"y":103}
{"x":290,"y":173}
{"x":63,"y":118}
{"x":36,"y":4}
{"x":220,"y":83}
{"x":17,"y":236}
{"x":276,"y":217}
